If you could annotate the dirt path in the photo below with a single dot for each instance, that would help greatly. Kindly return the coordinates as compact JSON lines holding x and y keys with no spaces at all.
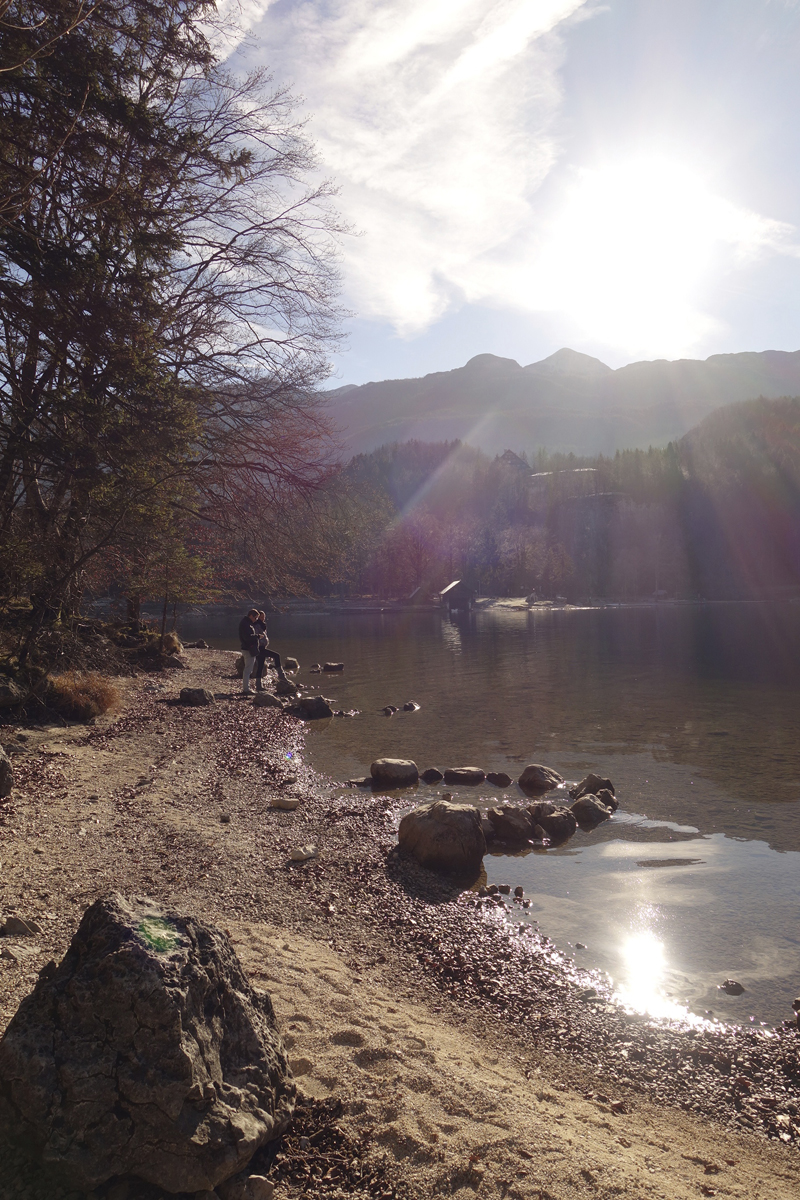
{"x":464,"y":1058}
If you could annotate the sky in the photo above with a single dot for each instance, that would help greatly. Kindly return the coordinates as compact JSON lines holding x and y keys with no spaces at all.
{"x":618,"y":176}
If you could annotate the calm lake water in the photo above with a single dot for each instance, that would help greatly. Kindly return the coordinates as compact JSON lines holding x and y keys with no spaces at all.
{"x":693,"y":712}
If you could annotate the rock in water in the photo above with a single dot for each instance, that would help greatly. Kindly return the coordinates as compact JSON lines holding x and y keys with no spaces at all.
{"x":432,"y":775}
{"x":146,"y":1052}
{"x":6,"y":775}
{"x":511,"y":824}
{"x":444,"y":837}
{"x":558,"y":825}
{"x":499,"y":779}
{"x":536,"y":778}
{"x":590,"y":811}
{"x":591,"y":784}
{"x":472,"y":776}
{"x":394,"y":773}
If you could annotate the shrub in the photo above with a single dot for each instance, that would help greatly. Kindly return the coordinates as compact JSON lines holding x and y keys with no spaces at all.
{"x":172,"y":643}
{"x":79,"y":695}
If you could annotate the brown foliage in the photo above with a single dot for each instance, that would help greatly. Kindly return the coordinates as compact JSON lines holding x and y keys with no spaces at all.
{"x":79,"y":695}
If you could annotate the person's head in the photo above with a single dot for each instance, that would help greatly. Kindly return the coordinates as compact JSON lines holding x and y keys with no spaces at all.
{"x":262,"y":616}
{"x":253,"y":614}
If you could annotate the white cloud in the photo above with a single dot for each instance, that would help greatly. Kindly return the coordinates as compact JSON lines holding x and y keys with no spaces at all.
{"x":437,"y":120}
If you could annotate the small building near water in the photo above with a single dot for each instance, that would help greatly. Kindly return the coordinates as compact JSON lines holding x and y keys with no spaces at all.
{"x":457,"y":596}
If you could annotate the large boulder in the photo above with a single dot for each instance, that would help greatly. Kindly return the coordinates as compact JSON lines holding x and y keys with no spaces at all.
{"x":6,"y":775}
{"x":590,"y":811}
{"x":145,"y":1053}
{"x":394,"y":773}
{"x":591,"y":785}
{"x":499,"y":779}
{"x":559,"y":824}
{"x":471,"y":776}
{"x":444,"y":836}
{"x":511,"y":824}
{"x":536,"y":778}
{"x":11,"y":694}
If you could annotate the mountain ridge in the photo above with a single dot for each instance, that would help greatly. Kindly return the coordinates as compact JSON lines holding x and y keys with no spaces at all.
{"x":569,"y":401}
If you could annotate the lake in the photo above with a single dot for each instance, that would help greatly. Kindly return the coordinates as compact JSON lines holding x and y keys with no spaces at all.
{"x":693,"y":712}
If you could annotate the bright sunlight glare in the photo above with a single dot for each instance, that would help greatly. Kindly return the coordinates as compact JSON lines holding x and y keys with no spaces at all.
{"x":644,"y":967}
{"x":635,"y":246}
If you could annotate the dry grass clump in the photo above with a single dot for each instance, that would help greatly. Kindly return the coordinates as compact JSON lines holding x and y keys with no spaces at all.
{"x":172,"y":643}
{"x":81,"y":695}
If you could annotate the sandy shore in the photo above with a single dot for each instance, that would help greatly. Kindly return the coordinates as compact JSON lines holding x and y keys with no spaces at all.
{"x":458,"y":1054}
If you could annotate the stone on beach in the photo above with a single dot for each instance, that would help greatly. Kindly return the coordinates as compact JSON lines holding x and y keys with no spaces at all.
{"x":267,"y":700}
{"x":16,"y":927}
{"x":287,"y":803}
{"x":444,"y":836}
{"x":394,"y":773}
{"x":536,"y":778}
{"x":285,"y":687}
{"x":146,"y":1052}
{"x":196,"y":697}
{"x":304,"y":853}
{"x":471,"y":776}
{"x":290,"y":663}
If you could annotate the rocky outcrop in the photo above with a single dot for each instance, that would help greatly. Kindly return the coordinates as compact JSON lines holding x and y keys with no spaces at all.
{"x":444,"y":836}
{"x":559,"y":824}
{"x":394,"y":773}
{"x":499,"y":779}
{"x":511,"y":824}
{"x":196,"y":697}
{"x":591,"y":785}
{"x":11,"y":694}
{"x":431,"y":776}
{"x":590,"y":811}
{"x":145,"y":1053}
{"x":471,"y":776}
{"x":6,"y":775}
{"x":536,"y":778}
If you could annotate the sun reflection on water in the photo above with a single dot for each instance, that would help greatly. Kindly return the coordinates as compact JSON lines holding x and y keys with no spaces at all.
{"x":644,"y":972}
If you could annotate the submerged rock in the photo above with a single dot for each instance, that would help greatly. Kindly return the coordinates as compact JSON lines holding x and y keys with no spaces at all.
{"x":394,"y":773}
{"x":471,"y":776}
{"x":536,"y":778}
{"x":732,"y":987}
{"x":444,"y":837}
{"x":145,"y":1053}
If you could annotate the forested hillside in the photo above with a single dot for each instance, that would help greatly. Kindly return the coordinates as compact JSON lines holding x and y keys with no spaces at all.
{"x":716,"y":514}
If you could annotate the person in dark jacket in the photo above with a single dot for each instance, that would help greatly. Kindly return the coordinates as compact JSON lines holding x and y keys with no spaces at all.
{"x":248,"y":639}
{"x":264,"y":652}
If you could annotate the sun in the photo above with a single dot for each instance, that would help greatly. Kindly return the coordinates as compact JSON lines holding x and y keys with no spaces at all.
{"x":634,"y":247}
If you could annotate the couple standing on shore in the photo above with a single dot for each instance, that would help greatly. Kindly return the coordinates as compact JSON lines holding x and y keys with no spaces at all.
{"x":255,"y":650}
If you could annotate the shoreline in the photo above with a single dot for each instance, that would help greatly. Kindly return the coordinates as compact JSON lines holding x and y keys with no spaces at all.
{"x":389,"y":944}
